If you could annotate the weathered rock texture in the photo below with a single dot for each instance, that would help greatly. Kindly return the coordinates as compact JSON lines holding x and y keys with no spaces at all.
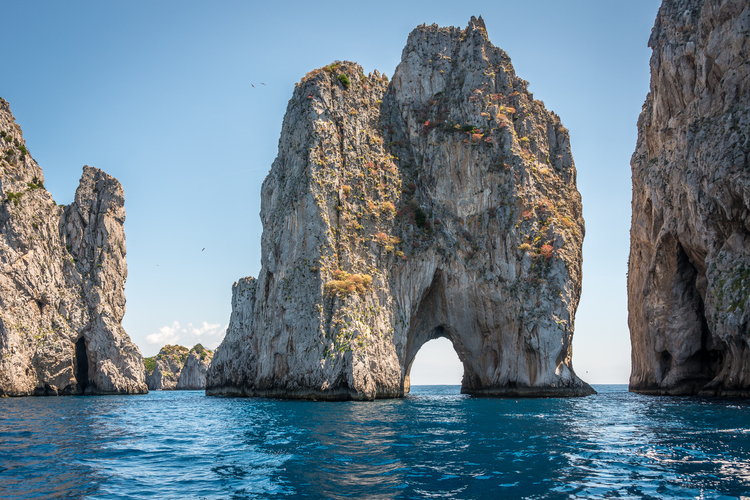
{"x":441,"y":204}
{"x":62,"y":278}
{"x":193,"y":374}
{"x":167,"y":366}
{"x":689,"y":269}
{"x":176,"y":367}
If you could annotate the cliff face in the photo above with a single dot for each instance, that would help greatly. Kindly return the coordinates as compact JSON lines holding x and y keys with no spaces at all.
{"x":689,"y":269}
{"x":167,"y":366}
{"x":193,"y":374}
{"x":176,"y":367}
{"x":62,"y":278}
{"x":441,"y":204}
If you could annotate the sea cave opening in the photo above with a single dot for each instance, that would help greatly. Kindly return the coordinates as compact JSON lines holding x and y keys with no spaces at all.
{"x":436,"y":363}
{"x":689,"y":317}
{"x":82,"y":365}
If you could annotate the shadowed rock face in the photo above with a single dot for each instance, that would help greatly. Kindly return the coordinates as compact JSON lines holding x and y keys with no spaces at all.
{"x":689,"y":268}
{"x":441,"y":204}
{"x":62,"y":278}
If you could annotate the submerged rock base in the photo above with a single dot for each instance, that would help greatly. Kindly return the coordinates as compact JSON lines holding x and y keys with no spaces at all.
{"x":441,"y":204}
{"x":689,"y":268}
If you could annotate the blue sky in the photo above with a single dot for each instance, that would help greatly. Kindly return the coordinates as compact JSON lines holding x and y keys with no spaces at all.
{"x":159,"y":95}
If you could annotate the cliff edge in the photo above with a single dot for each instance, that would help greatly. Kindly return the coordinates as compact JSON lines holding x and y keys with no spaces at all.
{"x":440,"y":204}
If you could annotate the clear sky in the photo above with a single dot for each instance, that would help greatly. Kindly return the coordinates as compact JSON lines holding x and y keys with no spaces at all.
{"x":160,"y":95}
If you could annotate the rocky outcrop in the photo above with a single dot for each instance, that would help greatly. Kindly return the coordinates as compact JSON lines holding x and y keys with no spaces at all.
{"x":689,"y":268}
{"x":176,"y":367}
{"x":167,"y":366}
{"x":62,"y":278}
{"x":193,"y":374}
{"x":441,"y":204}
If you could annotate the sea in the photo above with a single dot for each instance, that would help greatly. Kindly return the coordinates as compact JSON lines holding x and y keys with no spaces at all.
{"x":433,"y":443}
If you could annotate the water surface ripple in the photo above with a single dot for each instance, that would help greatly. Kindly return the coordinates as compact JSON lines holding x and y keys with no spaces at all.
{"x":435,"y":443}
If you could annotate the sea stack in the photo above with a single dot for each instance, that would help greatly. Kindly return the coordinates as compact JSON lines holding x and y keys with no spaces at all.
{"x":440,"y":204}
{"x":62,"y":282}
{"x":689,"y":268}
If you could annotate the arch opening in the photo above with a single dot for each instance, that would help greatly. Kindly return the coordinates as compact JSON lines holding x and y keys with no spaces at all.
{"x":82,"y":365}
{"x":436,"y":363}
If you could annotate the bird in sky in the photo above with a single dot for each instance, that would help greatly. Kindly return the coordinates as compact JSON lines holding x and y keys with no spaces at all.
{"x":262,"y":83}
{"x":253,"y":86}
{"x":203,"y":249}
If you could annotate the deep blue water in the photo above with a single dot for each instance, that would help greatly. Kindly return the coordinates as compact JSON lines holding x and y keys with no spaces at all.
{"x":435,"y":443}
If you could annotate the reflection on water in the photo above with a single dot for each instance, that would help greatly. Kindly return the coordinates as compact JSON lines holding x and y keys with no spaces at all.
{"x":435,"y":443}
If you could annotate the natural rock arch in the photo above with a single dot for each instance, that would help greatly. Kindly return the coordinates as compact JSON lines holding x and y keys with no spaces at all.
{"x":440,"y":203}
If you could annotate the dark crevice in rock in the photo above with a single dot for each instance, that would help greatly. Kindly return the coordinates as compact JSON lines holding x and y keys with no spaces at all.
{"x":82,"y":365}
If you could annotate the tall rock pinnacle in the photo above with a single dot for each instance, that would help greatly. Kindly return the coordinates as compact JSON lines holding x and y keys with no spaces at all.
{"x":440,"y":204}
{"x":62,"y":279}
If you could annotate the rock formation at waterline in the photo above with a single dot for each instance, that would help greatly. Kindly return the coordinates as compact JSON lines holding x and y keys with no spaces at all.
{"x":62,"y":279}
{"x":441,"y":204}
{"x":193,"y":373}
{"x":689,"y":269}
{"x":176,"y":367}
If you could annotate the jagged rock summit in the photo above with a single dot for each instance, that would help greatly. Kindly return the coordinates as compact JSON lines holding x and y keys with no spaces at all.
{"x":177,"y":367}
{"x":689,"y":268}
{"x":440,"y":204}
{"x":62,"y":279}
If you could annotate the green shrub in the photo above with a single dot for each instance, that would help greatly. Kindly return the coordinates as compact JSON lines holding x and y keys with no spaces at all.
{"x":150,"y":364}
{"x":344,"y":80}
{"x":14,"y":197}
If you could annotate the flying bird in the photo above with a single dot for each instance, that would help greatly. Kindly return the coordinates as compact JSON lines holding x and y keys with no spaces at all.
{"x":262,"y":83}
{"x":203,"y":249}
{"x":253,"y":86}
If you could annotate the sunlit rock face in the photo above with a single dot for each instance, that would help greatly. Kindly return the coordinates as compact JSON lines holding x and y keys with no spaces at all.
{"x":62,"y":282}
{"x":689,"y":268}
{"x":440,"y":204}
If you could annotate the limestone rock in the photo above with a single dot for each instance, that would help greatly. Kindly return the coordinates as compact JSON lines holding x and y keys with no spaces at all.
{"x":168,"y":365}
{"x":62,"y":279}
{"x":689,"y":268}
{"x":193,"y":374}
{"x":441,"y":204}
{"x":176,"y":367}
